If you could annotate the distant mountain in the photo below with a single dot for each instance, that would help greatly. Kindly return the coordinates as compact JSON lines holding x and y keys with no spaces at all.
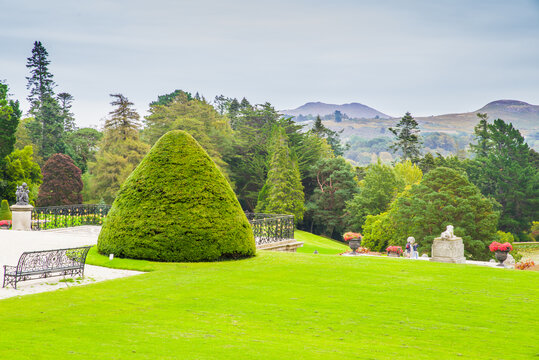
{"x":353,"y":110}
{"x":524,"y":116}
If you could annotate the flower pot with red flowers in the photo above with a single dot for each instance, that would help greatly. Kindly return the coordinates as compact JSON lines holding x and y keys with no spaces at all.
{"x":354,"y":240}
{"x":500,"y":250}
{"x":5,"y":224}
{"x":394,"y":251}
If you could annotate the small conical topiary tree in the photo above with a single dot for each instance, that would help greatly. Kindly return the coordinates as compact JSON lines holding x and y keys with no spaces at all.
{"x":5,"y":213}
{"x":176,"y":206}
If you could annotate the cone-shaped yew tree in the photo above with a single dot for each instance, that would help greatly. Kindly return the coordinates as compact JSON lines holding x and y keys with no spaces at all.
{"x":176,"y":206}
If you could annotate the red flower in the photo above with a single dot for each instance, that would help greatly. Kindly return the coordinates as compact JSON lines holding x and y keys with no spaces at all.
{"x":396,"y":249}
{"x":494,"y":246}
{"x":351,"y":235}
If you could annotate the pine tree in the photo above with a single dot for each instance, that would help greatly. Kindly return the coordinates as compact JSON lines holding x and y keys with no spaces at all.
{"x":407,"y":139}
{"x":503,"y":169}
{"x":49,"y":116}
{"x":65,"y":100}
{"x":40,"y":82}
{"x":283,"y":191}
{"x":120,"y":150}
{"x":123,"y":119}
{"x":332,"y":137}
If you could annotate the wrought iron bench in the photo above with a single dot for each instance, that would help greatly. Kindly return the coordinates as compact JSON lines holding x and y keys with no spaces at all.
{"x":45,"y":263}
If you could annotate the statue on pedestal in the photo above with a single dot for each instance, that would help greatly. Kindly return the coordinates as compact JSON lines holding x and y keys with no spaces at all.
{"x":22,"y":194}
{"x":448,"y":248}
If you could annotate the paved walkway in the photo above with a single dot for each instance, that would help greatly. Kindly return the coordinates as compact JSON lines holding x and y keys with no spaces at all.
{"x":14,"y":243}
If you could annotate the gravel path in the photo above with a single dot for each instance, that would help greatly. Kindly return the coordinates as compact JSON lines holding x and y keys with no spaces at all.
{"x":14,"y":243}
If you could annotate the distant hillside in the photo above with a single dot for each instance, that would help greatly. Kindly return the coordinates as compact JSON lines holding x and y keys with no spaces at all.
{"x":353,"y":110}
{"x":524,"y":117}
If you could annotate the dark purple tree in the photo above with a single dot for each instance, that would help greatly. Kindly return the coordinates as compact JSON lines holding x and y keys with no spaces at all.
{"x":62,"y":184}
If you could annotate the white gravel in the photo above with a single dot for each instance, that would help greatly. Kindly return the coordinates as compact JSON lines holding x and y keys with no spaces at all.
{"x":14,"y":243}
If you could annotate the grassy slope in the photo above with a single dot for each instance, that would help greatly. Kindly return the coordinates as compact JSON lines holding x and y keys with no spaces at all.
{"x":323,"y":245}
{"x":279,"y":305}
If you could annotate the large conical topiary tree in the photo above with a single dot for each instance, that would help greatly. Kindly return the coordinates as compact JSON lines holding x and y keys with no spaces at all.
{"x":176,"y":206}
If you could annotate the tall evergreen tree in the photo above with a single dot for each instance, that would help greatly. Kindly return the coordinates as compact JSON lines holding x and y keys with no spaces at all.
{"x":40,"y":81}
{"x":336,"y":184}
{"x":503,"y":170}
{"x":332,"y":137}
{"x":66,"y":100}
{"x":120,"y":150}
{"x":49,"y":116}
{"x":9,"y":121}
{"x":407,"y":139}
{"x":283,"y":191}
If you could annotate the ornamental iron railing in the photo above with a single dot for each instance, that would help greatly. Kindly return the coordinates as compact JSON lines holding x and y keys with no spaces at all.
{"x":270,"y":228}
{"x":54,"y":217}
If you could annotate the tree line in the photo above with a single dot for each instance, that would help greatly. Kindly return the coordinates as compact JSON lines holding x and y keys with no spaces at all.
{"x":275,"y":165}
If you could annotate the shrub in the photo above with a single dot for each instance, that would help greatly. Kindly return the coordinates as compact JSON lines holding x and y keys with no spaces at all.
{"x":5,"y":213}
{"x":176,"y":206}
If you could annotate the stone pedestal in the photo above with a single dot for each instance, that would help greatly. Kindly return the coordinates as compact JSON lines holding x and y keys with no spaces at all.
{"x":448,"y":250}
{"x":21,"y":217}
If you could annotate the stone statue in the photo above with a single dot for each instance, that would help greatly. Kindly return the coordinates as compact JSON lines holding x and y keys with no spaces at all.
{"x":448,"y":248}
{"x":22,"y":194}
{"x":448,"y":233}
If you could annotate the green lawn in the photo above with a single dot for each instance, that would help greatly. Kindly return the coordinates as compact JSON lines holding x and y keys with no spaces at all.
{"x":322,"y":245}
{"x":282,"y":306}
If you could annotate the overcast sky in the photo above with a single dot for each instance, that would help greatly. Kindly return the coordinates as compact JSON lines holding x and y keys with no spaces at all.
{"x":426,"y":57}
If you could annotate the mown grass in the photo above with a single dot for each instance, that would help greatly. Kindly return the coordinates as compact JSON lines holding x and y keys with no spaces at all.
{"x":323,"y":245}
{"x":282,"y":306}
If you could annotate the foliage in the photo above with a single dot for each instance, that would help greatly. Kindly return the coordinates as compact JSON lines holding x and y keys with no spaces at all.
{"x":283,"y":191}
{"x":408,"y":172}
{"x":332,"y":137}
{"x":120,"y":149}
{"x":379,"y":231}
{"x":376,"y":191}
{"x":20,"y":167}
{"x":502,"y":169}
{"x":82,"y":145}
{"x":50,"y":118}
{"x":197,"y":117}
{"x":65,"y":101}
{"x":446,"y":197}
{"x":40,"y":81}
{"x":429,"y":162}
{"x":169,"y":98}
{"x":62,"y":184}
{"x":176,"y":206}
{"x":407,"y":139}
{"x":335,"y":184}
{"x":9,"y":121}
{"x":5,"y":212}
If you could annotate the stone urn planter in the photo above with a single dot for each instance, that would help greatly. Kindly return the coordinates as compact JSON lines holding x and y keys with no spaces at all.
{"x":354,"y":240}
{"x":394,"y":251}
{"x":501,"y":256}
{"x":354,"y":244}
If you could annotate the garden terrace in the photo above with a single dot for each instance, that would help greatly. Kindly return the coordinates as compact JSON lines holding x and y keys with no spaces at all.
{"x":54,"y":217}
